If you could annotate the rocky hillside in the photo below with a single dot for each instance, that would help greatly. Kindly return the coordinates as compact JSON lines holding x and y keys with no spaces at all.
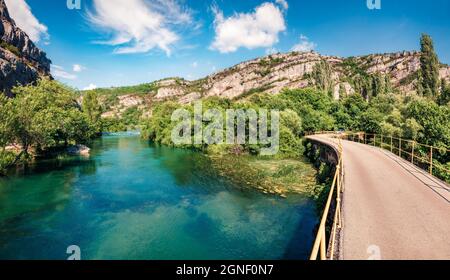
{"x":21,"y":62}
{"x":273,"y":73}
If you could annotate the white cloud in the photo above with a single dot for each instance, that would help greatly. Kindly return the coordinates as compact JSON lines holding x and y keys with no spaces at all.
{"x":305,"y":45}
{"x":194,"y":64}
{"x":250,"y":30}
{"x":90,"y":87}
{"x":78,"y":68}
{"x":25,"y":20}
{"x":283,"y":3}
{"x":59,"y":72}
{"x":138,"y":26}
{"x":270,"y":51}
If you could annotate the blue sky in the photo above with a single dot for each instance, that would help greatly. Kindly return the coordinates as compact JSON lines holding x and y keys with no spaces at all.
{"x":125,"y":42}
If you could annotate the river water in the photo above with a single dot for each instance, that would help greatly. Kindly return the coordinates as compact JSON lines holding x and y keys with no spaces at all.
{"x":132,"y":200}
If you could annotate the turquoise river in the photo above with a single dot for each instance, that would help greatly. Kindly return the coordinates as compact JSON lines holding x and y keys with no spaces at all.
{"x":131,"y":200}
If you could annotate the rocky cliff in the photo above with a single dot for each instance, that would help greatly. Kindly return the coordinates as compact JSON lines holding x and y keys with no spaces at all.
{"x":273,"y":73}
{"x":21,"y":62}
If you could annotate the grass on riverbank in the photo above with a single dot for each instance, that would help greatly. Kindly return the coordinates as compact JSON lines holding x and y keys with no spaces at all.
{"x":271,"y":176}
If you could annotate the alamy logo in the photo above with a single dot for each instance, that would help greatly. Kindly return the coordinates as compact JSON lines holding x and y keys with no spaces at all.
{"x":74,"y":4}
{"x":208,"y":128}
{"x":374,"y":4}
{"x":374,"y":253}
{"x":74,"y":253}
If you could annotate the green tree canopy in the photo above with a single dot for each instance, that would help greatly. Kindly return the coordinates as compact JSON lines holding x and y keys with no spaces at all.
{"x":429,"y":67}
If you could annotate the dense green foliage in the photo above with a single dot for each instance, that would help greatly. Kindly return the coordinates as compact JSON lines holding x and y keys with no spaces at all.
{"x":310,"y":110}
{"x":367,"y":85}
{"x":92,"y":109}
{"x":444,"y":96}
{"x":322,"y":76}
{"x":111,"y":125}
{"x":159,"y":127}
{"x":117,"y":91}
{"x":98,"y":101}
{"x":40,"y":119}
{"x":429,"y":67}
{"x":108,"y":97}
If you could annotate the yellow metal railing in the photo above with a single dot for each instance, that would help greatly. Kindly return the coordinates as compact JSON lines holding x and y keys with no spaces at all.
{"x":320,"y":248}
{"x":407,"y":149}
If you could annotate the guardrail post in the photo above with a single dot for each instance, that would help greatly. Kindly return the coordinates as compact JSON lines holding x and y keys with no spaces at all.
{"x":381,"y":143}
{"x":431,"y":161}
{"x":400,"y":147}
{"x":365,"y":138}
{"x":323,"y":250}
{"x":391,"y":144}
{"x":412,"y":153}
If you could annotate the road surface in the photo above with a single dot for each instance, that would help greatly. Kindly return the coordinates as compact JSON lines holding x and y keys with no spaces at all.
{"x":391,"y":209}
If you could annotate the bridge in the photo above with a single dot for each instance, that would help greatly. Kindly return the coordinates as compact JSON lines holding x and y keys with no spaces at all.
{"x":382,"y":205}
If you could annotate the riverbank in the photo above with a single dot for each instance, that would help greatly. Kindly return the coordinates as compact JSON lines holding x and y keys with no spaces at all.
{"x":271,"y":176}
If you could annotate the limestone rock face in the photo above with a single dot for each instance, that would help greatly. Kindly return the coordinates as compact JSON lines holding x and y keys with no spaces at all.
{"x":123,"y":103}
{"x":267,"y":74}
{"x":444,"y":73}
{"x":276,"y":72}
{"x":21,"y":62}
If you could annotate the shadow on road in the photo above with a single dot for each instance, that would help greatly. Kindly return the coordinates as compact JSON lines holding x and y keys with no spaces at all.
{"x":438,"y":186}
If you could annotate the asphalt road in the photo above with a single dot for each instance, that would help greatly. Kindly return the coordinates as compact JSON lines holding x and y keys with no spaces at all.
{"x":391,"y":209}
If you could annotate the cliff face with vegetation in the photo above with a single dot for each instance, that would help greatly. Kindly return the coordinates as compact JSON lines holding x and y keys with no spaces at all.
{"x":393,"y":72}
{"x":21,"y":62}
{"x":271,"y":74}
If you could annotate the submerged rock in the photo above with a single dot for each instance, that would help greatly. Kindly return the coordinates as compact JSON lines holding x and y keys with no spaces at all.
{"x":78,"y":150}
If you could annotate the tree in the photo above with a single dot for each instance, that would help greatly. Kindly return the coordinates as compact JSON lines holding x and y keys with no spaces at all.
{"x":387,"y":84}
{"x":381,"y":84}
{"x":292,"y":121}
{"x":385,"y":103}
{"x":5,"y":121}
{"x":444,"y":96}
{"x":434,"y":119}
{"x":7,"y":158}
{"x":390,"y":130}
{"x":342,"y":91}
{"x":316,"y":120}
{"x":429,"y":67}
{"x":412,"y":129}
{"x":354,"y":105}
{"x":47,"y":116}
{"x":322,"y":75}
{"x":290,"y":145}
{"x":92,"y":109}
{"x":377,"y":85}
{"x":343,"y":119}
{"x":370,"y":121}
{"x":362,"y":83}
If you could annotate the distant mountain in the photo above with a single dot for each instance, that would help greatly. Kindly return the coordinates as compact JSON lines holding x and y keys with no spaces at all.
{"x":392,"y":72}
{"x":21,"y":62}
